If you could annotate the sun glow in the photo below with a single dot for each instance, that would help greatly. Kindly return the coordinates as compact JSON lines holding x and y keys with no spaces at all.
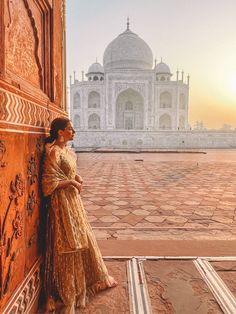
{"x":233,"y":84}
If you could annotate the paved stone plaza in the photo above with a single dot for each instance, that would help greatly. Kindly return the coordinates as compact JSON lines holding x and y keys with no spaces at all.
{"x":165,"y":195}
{"x":181,"y":209}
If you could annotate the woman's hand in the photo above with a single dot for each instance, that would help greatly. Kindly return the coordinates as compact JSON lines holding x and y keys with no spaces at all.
{"x":77,"y":185}
{"x":79,"y":179}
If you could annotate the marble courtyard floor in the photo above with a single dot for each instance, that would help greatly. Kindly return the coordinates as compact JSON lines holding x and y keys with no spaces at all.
{"x":166,"y":226}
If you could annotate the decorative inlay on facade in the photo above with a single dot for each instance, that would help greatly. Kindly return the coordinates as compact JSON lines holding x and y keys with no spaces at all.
{"x":120,"y":87}
{"x":24,"y":297}
{"x":19,"y":111}
{"x":129,"y":78}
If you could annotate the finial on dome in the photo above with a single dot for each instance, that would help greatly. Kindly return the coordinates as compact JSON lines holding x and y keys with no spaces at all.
{"x":96,"y":60}
{"x":127,"y":24}
{"x":155,"y":62}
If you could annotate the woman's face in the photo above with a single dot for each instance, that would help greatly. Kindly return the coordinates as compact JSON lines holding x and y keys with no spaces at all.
{"x":68,"y":132}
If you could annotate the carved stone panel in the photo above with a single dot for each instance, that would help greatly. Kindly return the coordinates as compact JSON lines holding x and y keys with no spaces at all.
{"x":22,"y":43}
{"x":12,"y":222}
{"x":27,"y":37}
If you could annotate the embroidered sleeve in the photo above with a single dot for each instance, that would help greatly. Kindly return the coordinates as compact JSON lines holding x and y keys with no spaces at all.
{"x":52,"y":174}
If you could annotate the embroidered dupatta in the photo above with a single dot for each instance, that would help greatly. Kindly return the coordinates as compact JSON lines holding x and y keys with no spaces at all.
{"x":66,"y":206}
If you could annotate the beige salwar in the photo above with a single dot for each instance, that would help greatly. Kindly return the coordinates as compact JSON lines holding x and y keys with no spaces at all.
{"x":73,"y":265}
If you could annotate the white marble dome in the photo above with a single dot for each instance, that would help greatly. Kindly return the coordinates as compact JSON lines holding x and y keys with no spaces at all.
{"x":162,"y":68}
{"x":128,"y":51}
{"x":96,"y":67}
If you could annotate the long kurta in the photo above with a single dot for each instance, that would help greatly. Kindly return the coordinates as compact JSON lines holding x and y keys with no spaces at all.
{"x":74,"y":265}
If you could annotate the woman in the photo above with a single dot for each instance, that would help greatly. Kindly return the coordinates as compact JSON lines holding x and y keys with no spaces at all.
{"x":73,"y":266}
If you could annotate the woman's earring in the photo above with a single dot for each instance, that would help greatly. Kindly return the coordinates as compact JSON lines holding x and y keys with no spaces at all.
{"x":61,"y":139}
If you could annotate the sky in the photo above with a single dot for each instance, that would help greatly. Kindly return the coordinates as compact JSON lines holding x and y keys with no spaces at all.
{"x":197,"y":36}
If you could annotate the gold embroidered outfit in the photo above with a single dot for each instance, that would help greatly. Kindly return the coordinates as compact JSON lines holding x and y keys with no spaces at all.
{"x":73,"y":264}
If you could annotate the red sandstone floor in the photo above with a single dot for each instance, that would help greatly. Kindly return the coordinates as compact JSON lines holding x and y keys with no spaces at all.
{"x":161,"y":195}
{"x":162,"y":204}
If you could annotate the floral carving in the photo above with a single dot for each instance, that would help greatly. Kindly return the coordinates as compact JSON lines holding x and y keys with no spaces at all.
{"x":17,"y":188}
{"x":32,"y":201}
{"x":2,"y":153}
{"x":18,"y":224}
{"x":17,"y":191}
{"x":32,"y":170}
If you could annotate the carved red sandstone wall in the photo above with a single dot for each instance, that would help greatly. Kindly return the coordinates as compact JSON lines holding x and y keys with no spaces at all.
{"x":31,"y":94}
{"x":22,"y":53}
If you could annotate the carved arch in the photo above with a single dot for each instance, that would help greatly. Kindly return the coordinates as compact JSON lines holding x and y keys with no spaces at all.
{"x":94,"y":99}
{"x":165,"y":122}
{"x":94,"y":121}
{"x":165,"y":100}
{"x":137,"y":87}
{"x":35,"y":31}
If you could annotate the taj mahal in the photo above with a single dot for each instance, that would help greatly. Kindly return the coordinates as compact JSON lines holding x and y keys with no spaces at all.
{"x":131,"y":101}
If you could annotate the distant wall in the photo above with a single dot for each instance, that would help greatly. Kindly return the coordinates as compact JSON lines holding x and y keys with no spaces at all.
{"x":160,"y":139}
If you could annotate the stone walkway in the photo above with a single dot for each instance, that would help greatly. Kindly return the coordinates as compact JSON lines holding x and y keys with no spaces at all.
{"x":160,"y":195}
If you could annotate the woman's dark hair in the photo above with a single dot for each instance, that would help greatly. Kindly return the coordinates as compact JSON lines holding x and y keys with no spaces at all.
{"x":56,"y":125}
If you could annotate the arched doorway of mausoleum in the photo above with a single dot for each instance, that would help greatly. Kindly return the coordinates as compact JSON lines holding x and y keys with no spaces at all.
{"x":165,"y":122}
{"x":94,"y":121}
{"x":129,"y":110}
{"x":94,"y":100}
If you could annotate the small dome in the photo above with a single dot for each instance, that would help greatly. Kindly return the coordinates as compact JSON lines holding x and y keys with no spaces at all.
{"x":128,"y":51}
{"x":162,"y":68}
{"x":95,"y":68}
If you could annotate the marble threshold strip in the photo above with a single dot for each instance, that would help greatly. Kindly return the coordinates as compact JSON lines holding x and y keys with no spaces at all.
{"x":155,"y":257}
{"x":138,"y":291}
{"x":222,"y":294}
{"x":160,"y":228}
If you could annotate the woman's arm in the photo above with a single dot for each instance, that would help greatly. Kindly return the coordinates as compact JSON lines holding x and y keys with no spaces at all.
{"x":65,"y":183}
